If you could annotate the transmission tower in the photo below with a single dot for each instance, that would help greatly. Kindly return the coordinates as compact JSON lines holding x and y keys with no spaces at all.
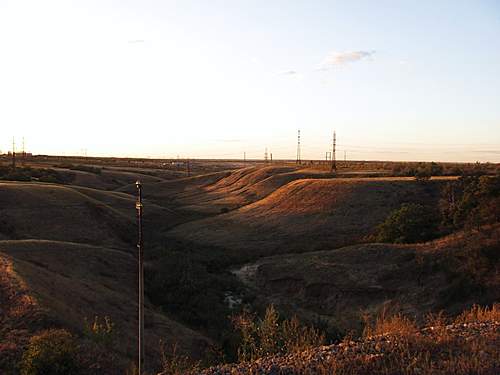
{"x":271,"y":158}
{"x":265,"y":156}
{"x":334,"y":164}
{"x":298,"y":148}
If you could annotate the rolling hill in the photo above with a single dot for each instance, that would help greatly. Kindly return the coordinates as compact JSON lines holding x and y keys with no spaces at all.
{"x":346,"y":285}
{"x":308,"y":214}
{"x":53,"y":283}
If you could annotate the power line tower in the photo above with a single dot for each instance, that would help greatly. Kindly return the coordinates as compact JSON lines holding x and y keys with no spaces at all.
{"x":265,"y":156}
{"x":13,"y":153}
{"x":334,"y":144}
{"x":140,"y":261}
{"x":298,"y":161}
{"x":271,"y":158}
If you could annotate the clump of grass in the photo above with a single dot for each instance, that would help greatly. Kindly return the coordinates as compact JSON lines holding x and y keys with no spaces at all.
{"x":386,"y":323}
{"x":99,"y":331}
{"x":480,"y":314}
{"x":272,"y":335}
{"x":174,"y":363}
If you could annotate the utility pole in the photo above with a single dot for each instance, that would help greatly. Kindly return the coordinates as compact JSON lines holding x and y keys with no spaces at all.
{"x":24,"y":153}
{"x":13,"y":153}
{"x":298,"y":161}
{"x":140,"y":258}
{"x":334,"y":164}
{"x":265,"y":156}
{"x":271,"y":158}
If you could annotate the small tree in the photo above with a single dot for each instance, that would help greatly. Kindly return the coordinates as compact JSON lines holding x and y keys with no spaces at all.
{"x":409,"y":224}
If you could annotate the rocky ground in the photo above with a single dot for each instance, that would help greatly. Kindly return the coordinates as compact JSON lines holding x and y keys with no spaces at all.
{"x":459,"y":348}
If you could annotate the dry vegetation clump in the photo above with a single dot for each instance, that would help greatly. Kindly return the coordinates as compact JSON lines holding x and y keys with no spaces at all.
{"x":271,"y":335}
{"x":469,"y":345}
{"x":396,"y":324}
{"x":480,"y":314}
{"x":174,"y":363}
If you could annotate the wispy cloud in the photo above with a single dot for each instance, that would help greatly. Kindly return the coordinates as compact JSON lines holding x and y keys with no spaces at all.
{"x":292,"y":74}
{"x":343,"y":58}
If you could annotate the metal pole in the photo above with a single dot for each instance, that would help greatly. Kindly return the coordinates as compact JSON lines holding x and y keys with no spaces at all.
{"x":140,"y":258}
{"x":13,"y":153}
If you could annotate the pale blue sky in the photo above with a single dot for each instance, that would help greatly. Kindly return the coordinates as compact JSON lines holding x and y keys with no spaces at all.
{"x":398,"y":80}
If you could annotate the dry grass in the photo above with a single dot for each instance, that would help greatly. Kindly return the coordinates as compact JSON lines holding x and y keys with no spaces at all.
{"x":480,"y":314}
{"x":473,"y":348}
{"x":396,"y":325}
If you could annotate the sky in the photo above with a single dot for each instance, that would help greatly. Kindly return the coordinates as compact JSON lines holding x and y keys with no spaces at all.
{"x":396,"y":80}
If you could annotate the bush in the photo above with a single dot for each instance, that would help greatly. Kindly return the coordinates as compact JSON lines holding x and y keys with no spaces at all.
{"x":409,"y":224}
{"x":270,"y":335}
{"x":51,"y":352}
{"x":471,"y":201}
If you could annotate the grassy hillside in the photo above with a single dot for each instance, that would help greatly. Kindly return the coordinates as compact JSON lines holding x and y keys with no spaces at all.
{"x":227,"y":190}
{"x":307,"y":215}
{"x":49,"y":283}
{"x":55,"y":212}
{"x":343,"y":287}
{"x":78,"y":214}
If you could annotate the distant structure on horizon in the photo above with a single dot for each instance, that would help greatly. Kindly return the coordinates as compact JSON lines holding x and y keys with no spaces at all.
{"x":298,"y":161}
{"x":334,"y":162}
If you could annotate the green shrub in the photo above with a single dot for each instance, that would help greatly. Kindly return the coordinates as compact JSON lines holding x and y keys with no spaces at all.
{"x":52,"y":352}
{"x":409,"y":224}
{"x":470,"y":202}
